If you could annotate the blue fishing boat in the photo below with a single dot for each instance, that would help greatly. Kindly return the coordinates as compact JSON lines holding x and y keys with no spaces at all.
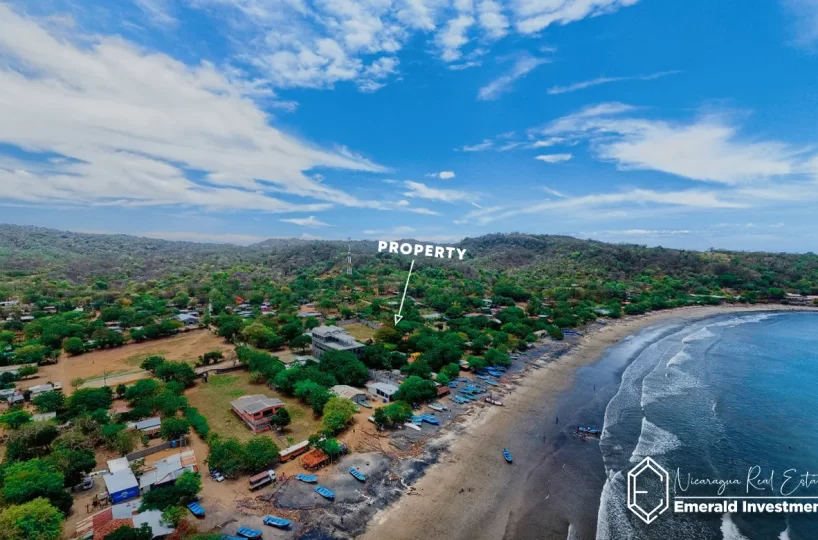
{"x":325,"y":492}
{"x":230,"y":537}
{"x":460,"y":400}
{"x":437,"y":407}
{"x":468,"y":397}
{"x":500,"y":368}
{"x":357,"y":474}
{"x":467,"y":390}
{"x":429,"y":419}
{"x":507,"y":455}
{"x":463,"y":379}
{"x":247,"y":532}
{"x":308,"y":478}
{"x":279,"y":523}
{"x":494,"y":373}
{"x":196,"y":510}
{"x":452,"y":384}
{"x":492,"y":383}
{"x":588,"y":430}
{"x":417,"y":420}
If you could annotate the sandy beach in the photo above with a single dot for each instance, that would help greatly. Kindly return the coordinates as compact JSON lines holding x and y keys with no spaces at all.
{"x":470,"y":493}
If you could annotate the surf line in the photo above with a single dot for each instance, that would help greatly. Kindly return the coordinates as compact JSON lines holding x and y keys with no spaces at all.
{"x":427,"y":250}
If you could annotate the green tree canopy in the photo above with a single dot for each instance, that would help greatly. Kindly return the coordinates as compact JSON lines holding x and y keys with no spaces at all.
{"x":33,"y":520}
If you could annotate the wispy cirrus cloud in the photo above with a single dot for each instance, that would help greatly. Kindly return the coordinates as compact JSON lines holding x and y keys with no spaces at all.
{"x":523,"y":65}
{"x":422,"y":191}
{"x":606,"y":80}
{"x":310,"y":221}
{"x":553,"y":158}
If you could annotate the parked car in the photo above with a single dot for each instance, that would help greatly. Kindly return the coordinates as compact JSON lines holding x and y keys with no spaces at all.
{"x":216,"y":475}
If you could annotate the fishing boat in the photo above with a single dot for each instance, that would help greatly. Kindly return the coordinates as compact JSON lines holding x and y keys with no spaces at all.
{"x":492,"y":383}
{"x":325,"y":492}
{"x":507,"y":455}
{"x":411,"y":425}
{"x":467,"y":390}
{"x":366,"y":404}
{"x":459,"y":400}
{"x":494,"y":401}
{"x":437,"y":407}
{"x":277,"y":522}
{"x":308,"y":478}
{"x":588,"y":430}
{"x":463,"y":379}
{"x":196,"y":510}
{"x":429,"y":419}
{"x":247,"y":532}
{"x":501,"y":368}
{"x":452,"y":384}
{"x":417,"y":420}
{"x":357,"y":474}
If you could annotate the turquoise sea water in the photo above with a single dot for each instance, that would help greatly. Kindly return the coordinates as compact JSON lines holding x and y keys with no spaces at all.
{"x":711,"y":400}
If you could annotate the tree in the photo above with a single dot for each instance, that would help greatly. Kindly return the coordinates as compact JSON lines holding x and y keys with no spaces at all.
{"x":397,"y":412}
{"x":259,"y":454}
{"x":345,"y":367}
{"x":141,"y":391}
{"x":291,"y":330}
{"x":497,"y":358}
{"x":338,"y":412}
{"x":211,"y":357}
{"x":313,"y":393}
{"x":126,"y":532}
{"x":281,"y":418}
{"x":73,"y":464}
{"x":120,"y":390}
{"x":34,"y":520}
{"x":226,"y":455}
{"x":177,"y":371}
{"x":28,"y":480}
{"x":174,"y":428}
{"x":32,"y":440}
{"x":173,"y":515}
{"x":380,"y":417}
{"x":27,"y":371}
{"x":442,"y":379}
{"x":89,"y":400}
{"x":182,"y":492}
{"x":416,"y":390}
{"x":452,"y":370}
{"x":31,"y":354}
{"x":15,"y":419}
{"x":301,"y":343}
{"x":188,"y":485}
{"x":73,"y":346}
{"x":152,"y":362}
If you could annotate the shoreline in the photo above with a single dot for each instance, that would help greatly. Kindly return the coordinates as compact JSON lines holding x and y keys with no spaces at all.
{"x":469,"y":494}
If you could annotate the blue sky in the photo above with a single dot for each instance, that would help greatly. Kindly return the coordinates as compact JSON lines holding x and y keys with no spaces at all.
{"x":685,"y":124}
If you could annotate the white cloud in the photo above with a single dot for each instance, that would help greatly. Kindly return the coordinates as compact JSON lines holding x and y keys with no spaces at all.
{"x":535,"y":15}
{"x":553,"y":158}
{"x":134,"y":128}
{"x":422,"y":191}
{"x":404,"y":229}
{"x":708,"y":148}
{"x":306,"y":222}
{"x":479,"y":147}
{"x":554,"y":192}
{"x":522,"y":66}
{"x":546,"y":142}
{"x":317,"y":44}
{"x":605,"y":80}
{"x":638,"y":232}
{"x":158,"y":11}
{"x":443,"y":175}
{"x":805,"y":21}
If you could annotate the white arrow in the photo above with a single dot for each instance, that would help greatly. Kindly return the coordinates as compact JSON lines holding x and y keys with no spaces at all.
{"x":398,"y":317}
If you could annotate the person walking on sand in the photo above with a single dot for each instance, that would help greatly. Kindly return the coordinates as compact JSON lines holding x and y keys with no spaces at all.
{"x":558,"y":419}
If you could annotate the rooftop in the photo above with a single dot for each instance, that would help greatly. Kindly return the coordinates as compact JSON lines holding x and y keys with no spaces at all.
{"x":386,"y":388}
{"x":119,"y":481}
{"x":255,"y":403}
{"x":345,"y":391}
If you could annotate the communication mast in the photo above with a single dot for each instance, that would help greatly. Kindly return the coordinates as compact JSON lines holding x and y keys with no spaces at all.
{"x":349,"y":257}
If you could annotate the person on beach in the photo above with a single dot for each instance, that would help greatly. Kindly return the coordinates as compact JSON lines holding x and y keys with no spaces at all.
{"x":558,"y":419}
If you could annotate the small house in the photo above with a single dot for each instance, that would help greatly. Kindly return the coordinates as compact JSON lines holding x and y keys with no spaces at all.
{"x":351,"y":393}
{"x":256,"y":411}
{"x":383,"y":391}
{"x":121,"y":486}
{"x":167,"y":470}
{"x":149,"y":426}
{"x":118,"y":465}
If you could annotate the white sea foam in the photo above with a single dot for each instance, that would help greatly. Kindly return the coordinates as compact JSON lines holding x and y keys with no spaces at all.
{"x":572,"y":533}
{"x":785,"y":534}
{"x":654,"y":441}
{"x":613,"y":521}
{"x":729,"y":530}
{"x":704,"y":333}
{"x":679,"y":358}
{"x":745,"y":319}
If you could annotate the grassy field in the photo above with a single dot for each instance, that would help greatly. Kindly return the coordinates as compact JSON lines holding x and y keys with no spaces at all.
{"x":213,"y":401}
{"x":359,"y":331}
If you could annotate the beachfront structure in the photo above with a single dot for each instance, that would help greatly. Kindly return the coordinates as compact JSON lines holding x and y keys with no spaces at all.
{"x":121,"y":486}
{"x":149,"y":426}
{"x":353,"y":394}
{"x":333,"y":338}
{"x":167,"y":470}
{"x":106,"y":521}
{"x":383,"y":391}
{"x":256,"y":411}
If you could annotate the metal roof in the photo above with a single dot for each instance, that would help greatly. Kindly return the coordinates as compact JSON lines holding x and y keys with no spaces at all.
{"x":118,"y":464}
{"x":255,"y":403}
{"x":120,"y":481}
{"x":154,"y":520}
{"x":345,"y":391}
{"x":148,"y":423}
{"x":386,"y":388}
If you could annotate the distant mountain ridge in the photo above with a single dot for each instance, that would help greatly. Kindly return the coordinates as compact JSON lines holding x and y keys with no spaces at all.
{"x":82,"y":255}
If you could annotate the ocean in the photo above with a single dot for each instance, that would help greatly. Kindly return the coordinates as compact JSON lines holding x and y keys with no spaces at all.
{"x":711,"y":400}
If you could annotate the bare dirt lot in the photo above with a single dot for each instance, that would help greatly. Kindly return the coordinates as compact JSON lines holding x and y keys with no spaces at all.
{"x":359,"y":331}
{"x":213,"y":401}
{"x":119,"y":362}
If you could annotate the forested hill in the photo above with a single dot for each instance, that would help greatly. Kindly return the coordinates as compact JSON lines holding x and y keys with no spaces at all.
{"x":80,"y":257}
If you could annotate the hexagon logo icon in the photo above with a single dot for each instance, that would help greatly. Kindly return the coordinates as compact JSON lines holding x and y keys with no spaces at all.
{"x":648,"y":490}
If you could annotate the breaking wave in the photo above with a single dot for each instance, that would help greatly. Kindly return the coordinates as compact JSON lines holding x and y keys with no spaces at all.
{"x":654,"y":441}
{"x":729,"y":530}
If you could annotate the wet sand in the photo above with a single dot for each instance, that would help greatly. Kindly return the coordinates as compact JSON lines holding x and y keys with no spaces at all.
{"x":556,"y":479}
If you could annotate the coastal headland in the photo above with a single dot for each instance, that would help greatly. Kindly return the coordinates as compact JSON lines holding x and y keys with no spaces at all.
{"x":552,"y":489}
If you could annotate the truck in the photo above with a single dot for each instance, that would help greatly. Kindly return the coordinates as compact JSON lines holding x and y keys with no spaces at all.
{"x":262,"y":479}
